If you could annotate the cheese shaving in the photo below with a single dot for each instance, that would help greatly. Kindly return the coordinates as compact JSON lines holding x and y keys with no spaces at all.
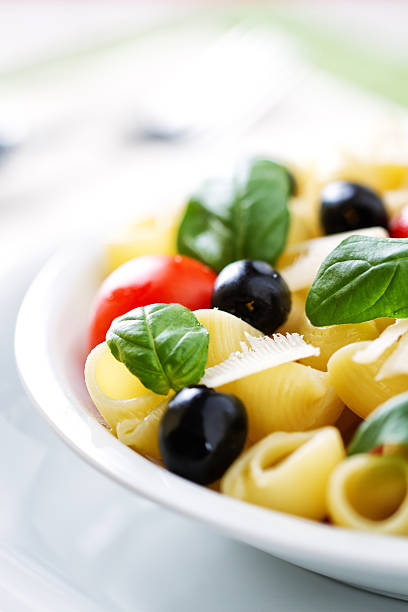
{"x":397,"y":363}
{"x":262,"y":353}
{"x":377,"y":347}
{"x":311,"y":254}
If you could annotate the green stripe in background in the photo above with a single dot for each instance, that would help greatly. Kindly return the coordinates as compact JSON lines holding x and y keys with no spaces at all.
{"x":340,"y":55}
{"x":363,"y":65}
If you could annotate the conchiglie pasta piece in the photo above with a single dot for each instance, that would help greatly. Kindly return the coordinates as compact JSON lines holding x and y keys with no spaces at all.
{"x":290,"y":397}
{"x":153,"y":236}
{"x":391,"y":176}
{"x":113,"y":378}
{"x":305,"y":178}
{"x":116,"y":393}
{"x":370,"y":493}
{"x":303,"y":225}
{"x":297,"y":314}
{"x":331,"y":338}
{"x":288,"y":472}
{"x":356,"y":384}
{"x":226,"y":333}
{"x":142,"y":434}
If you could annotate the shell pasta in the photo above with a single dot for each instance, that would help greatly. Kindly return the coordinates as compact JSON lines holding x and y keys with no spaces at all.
{"x":142,"y":433}
{"x":287,"y":472}
{"x":357,"y":383}
{"x":290,"y":397}
{"x":118,"y":395}
{"x":370,"y":493}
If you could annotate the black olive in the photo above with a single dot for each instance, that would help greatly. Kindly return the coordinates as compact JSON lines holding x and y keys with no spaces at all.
{"x":202,"y":433}
{"x":253,"y":291}
{"x":348,"y":206}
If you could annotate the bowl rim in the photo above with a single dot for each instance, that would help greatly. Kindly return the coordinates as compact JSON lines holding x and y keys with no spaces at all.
{"x":288,"y":537}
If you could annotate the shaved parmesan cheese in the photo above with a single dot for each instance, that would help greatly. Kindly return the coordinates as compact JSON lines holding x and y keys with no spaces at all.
{"x":378,"y":346}
{"x":397,"y":363}
{"x":262,"y":353}
{"x":310,"y":255}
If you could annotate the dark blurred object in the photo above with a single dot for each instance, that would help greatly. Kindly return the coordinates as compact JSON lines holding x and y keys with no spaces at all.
{"x":226,"y":88}
{"x":8,"y":145}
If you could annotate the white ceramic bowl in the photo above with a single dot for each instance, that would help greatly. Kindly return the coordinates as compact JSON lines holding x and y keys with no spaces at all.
{"x":50,"y":351}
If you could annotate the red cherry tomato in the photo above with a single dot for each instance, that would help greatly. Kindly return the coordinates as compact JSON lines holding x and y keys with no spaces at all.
{"x":149,"y":280}
{"x":399,"y":224}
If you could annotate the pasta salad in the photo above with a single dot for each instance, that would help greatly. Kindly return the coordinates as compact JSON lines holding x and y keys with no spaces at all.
{"x":256,"y":341}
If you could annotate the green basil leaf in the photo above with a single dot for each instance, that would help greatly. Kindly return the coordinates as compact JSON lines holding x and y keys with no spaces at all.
{"x":164,"y":345}
{"x":245,"y":217}
{"x":364,"y":278}
{"x":388,"y":424}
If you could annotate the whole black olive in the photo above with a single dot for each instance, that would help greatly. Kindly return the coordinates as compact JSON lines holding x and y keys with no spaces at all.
{"x":253,"y":291}
{"x":348,"y":206}
{"x":202,"y":433}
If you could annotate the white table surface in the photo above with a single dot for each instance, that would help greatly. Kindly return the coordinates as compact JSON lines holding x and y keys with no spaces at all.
{"x":70,"y":539}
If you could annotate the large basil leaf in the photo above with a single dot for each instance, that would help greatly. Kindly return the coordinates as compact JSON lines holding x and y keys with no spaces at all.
{"x":164,"y":345}
{"x":364,"y":278}
{"x":388,"y":424}
{"x":245,"y":217}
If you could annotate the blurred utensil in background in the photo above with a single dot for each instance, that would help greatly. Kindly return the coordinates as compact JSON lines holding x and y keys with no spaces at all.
{"x":79,"y":126}
{"x":9,"y":144}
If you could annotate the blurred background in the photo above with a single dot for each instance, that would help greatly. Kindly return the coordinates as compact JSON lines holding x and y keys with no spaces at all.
{"x":113,"y":109}
{"x":108,"y":108}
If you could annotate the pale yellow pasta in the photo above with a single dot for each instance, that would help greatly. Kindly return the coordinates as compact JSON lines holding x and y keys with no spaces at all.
{"x":290,"y":397}
{"x":117,"y":394}
{"x":309,"y":187}
{"x":142,"y":434}
{"x":153,"y":236}
{"x":292,"y":253}
{"x":305,"y":177}
{"x":303,"y":224}
{"x":329,"y":339}
{"x":297,"y":313}
{"x":356,"y":384}
{"x":397,"y":363}
{"x":112,"y":377}
{"x":391,"y":176}
{"x":370,"y":493}
{"x":226,"y":332}
{"x":288,"y":472}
